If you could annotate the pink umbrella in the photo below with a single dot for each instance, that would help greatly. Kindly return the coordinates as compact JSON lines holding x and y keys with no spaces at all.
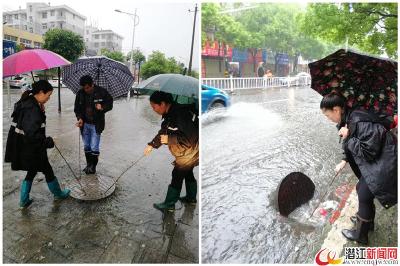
{"x":32,"y":60}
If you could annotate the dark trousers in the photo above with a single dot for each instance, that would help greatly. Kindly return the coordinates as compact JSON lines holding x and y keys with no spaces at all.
{"x":47,"y":171}
{"x":178,"y":175}
{"x":365,"y":200}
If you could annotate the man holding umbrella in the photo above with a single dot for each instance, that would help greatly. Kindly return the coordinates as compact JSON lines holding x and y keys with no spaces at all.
{"x":91,"y":103}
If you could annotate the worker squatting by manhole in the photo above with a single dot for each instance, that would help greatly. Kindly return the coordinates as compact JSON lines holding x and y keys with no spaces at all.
{"x":92,"y":187}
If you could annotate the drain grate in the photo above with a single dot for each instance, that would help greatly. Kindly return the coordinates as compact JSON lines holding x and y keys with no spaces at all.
{"x":94,"y":187}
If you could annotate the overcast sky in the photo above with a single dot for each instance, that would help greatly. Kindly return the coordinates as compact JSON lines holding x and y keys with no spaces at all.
{"x":166,"y":27}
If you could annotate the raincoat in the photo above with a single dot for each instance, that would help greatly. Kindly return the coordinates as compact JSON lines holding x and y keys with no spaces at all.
{"x":371,"y":151}
{"x":181,"y":124}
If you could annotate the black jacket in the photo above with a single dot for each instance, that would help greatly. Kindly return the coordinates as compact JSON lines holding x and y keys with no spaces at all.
{"x":100,"y":96}
{"x":26,"y":141}
{"x":181,"y":124}
{"x":371,"y":151}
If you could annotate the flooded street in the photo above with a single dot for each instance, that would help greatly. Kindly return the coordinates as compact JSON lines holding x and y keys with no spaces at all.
{"x":122,"y":228}
{"x":265,"y":135}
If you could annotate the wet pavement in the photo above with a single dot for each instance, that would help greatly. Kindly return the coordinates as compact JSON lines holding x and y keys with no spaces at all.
{"x":122,"y":228}
{"x":265,"y":135}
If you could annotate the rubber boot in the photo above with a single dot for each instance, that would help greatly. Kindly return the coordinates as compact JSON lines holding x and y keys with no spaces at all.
{"x":54,"y":187}
{"x":360,"y":233}
{"x":95,"y":160}
{"x":372,"y":223}
{"x":170,"y":200}
{"x":24,"y":200}
{"x":88,"y":162}
{"x":191,"y":192}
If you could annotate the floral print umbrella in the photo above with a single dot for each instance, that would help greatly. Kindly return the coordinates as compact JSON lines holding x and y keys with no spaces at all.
{"x":367,"y":82}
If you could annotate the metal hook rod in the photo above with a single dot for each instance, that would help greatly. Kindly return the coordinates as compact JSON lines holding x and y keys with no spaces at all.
{"x":70,"y":168}
{"x":323,"y":196}
{"x":126,"y":170}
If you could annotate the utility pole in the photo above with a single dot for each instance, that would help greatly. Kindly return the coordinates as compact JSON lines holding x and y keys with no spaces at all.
{"x":191,"y":48}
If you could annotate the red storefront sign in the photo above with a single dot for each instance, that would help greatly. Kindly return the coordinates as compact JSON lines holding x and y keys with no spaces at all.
{"x":258,"y":59}
{"x":211,"y":49}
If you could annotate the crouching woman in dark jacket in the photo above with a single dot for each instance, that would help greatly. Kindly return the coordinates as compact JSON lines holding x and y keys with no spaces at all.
{"x":27,"y":143}
{"x":371,"y":151}
{"x":180,"y":131}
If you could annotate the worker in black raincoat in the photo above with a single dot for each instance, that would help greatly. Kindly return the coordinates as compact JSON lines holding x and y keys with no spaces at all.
{"x":180,"y":131}
{"x":371,"y":150}
{"x":27,"y":144}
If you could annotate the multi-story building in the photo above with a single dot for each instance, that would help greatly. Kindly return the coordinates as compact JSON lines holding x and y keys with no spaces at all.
{"x":38,"y":18}
{"x":96,"y":39}
{"x":27,"y":39}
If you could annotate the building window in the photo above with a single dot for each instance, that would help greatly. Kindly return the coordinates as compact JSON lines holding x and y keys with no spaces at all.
{"x":61,"y":13}
{"x":31,"y":30}
{"x":52,"y":24}
{"x":96,"y":44}
{"x":16,"y":16}
{"x":52,"y":12}
{"x":96,"y":37}
{"x":25,"y":27}
{"x":37,"y":44}
{"x":23,"y":16}
{"x":103,"y":44}
{"x":26,"y":42}
{"x":44,"y":15}
{"x":30,"y":8}
{"x":61,"y":26}
{"x":30,"y":19}
{"x":73,"y":16}
{"x":44,"y":26}
{"x":10,"y":38}
{"x":87,"y":31}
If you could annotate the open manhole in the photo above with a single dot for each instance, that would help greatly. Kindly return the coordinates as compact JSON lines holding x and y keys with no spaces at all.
{"x":95,"y":187}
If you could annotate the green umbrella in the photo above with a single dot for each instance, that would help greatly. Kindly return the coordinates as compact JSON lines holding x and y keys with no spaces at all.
{"x":176,"y":84}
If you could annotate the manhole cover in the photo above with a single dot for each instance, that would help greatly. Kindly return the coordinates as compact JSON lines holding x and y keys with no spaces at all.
{"x":94,"y":187}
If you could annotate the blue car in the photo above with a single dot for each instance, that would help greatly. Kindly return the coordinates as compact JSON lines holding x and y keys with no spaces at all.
{"x":212,"y":98}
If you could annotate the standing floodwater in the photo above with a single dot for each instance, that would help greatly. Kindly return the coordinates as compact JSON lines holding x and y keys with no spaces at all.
{"x":246,"y":152}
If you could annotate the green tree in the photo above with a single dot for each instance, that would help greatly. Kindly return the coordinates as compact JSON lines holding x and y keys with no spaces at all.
{"x":370,"y":27}
{"x":138,"y":58}
{"x":266,"y":26}
{"x":115,"y":55}
{"x":65,"y":43}
{"x":158,"y":63}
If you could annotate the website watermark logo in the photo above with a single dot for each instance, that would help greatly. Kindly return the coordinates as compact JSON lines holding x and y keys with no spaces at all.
{"x":327,"y":258}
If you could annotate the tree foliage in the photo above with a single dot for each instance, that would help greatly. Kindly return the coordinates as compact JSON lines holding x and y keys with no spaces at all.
{"x":370,"y":27}
{"x":138,"y":56}
{"x":158,"y":63}
{"x":65,"y":43}
{"x":115,"y":55}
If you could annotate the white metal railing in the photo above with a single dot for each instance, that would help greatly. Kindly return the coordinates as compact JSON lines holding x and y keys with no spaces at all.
{"x":232,"y":84}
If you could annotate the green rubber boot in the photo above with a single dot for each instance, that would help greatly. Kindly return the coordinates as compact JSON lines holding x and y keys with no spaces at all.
{"x":54,"y":187}
{"x":24,"y":200}
{"x":191,"y":192}
{"x":170,"y":200}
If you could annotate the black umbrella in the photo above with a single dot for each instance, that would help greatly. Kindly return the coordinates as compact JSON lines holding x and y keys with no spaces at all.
{"x":112,"y":75}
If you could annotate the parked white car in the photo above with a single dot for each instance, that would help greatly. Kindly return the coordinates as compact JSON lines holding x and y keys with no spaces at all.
{"x":20,"y":81}
{"x":301,"y":79}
